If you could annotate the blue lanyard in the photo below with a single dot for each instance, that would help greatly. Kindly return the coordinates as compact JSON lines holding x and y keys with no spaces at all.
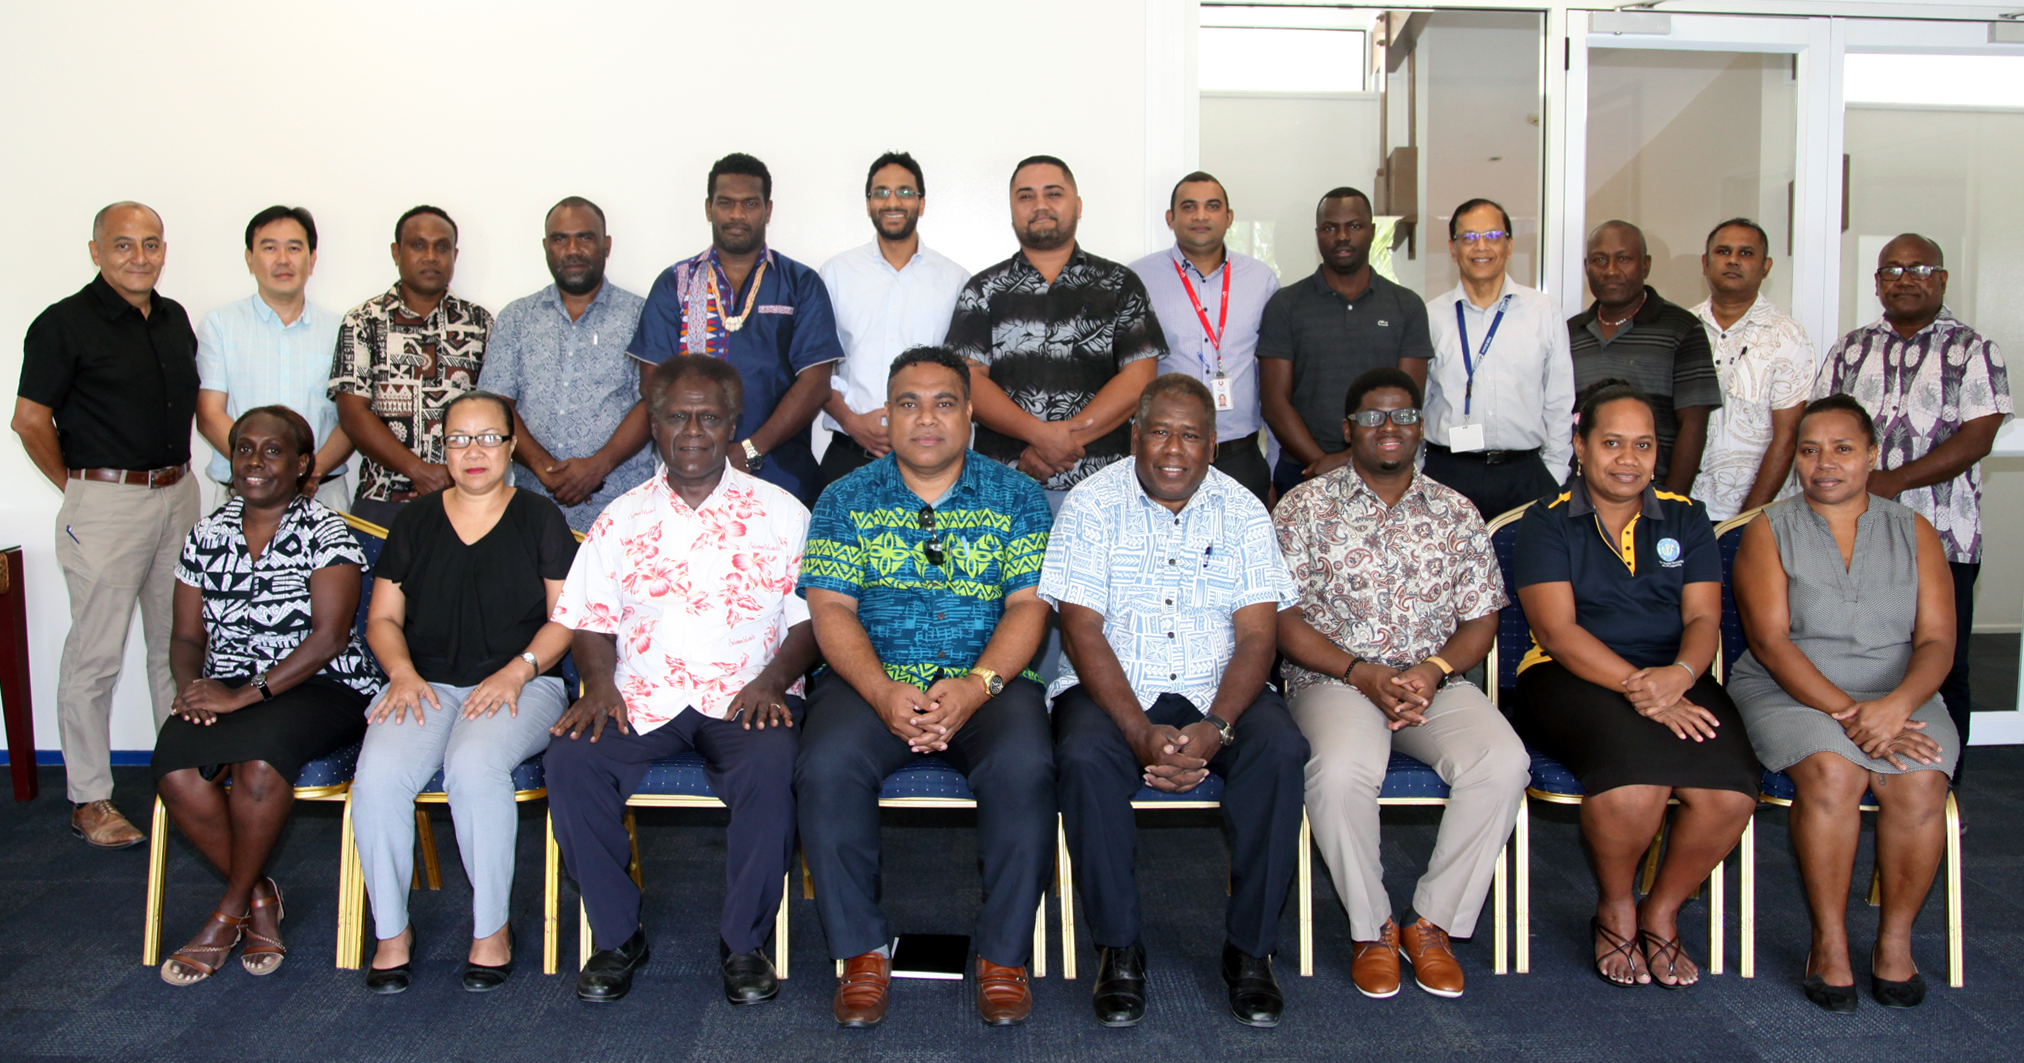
{"x":1468,"y":366}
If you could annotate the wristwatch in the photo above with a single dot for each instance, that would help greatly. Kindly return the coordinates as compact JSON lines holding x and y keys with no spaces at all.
{"x":754,"y":460}
{"x":532,"y":662}
{"x":994,"y":684}
{"x":260,"y":684}
{"x":1223,"y":728}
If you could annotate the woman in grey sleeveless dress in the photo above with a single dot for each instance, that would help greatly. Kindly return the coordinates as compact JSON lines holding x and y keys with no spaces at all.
{"x":1848,"y":606}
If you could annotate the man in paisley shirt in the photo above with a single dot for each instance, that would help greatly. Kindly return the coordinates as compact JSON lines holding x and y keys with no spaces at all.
{"x":1765,"y":362}
{"x":1939,"y":391}
{"x":1399,"y":594}
{"x":401,"y":357}
{"x":689,"y":638}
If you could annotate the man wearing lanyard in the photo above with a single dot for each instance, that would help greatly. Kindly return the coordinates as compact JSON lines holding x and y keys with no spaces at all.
{"x":1501,"y":380}
{"x":1192,"y":286}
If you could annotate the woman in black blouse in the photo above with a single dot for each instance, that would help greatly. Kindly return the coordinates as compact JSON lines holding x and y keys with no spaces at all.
{"x":270,"y":677}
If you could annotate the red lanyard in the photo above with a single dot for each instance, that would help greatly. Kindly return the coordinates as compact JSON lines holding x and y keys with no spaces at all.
{"x":1222,"y":314}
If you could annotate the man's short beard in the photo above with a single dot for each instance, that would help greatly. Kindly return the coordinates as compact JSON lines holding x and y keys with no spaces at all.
{"x":724,"y":244}
{"x":1062,"y":236}
{"x":588,"y":284}
{"x":906,"y":230}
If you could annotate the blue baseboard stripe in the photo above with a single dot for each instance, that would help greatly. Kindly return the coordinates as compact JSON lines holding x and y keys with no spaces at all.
{"x":121,"y":758}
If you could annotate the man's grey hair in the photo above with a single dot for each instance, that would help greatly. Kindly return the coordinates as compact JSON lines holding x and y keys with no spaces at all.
{"x":98,"y":220}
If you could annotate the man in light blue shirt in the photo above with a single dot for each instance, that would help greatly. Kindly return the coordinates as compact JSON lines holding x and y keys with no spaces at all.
{"x":1169,"y":580}
{"x":1209,"y":301}
{"x":560,"y":356}
{"x":273,"y":348}
{"x":890,"y":296}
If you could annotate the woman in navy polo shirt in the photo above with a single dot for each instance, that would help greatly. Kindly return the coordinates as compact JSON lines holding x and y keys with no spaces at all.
{"x":1622,"y":586}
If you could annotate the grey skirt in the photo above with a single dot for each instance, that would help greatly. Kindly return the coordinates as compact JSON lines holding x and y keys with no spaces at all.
{"x":1784,"y":732}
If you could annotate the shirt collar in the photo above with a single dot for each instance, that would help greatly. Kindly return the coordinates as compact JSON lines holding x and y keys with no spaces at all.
{"x":1320,"y":283}
{"x":1654,"y":304}
{"x":1460,"y":295}
{"x":1076,"y":258}
{"x":111,"y":304}
{"x":1579,"y":504}
{"x":1208,"y":494}
{"x":1882,"y":325}
{"x":267,"y":315}
{"x":1416,"y":488}
{"x":731,"y":480}
{"x":1184,"y":262}
{"x":717,"y":261}
{"x":1760,"y":313}
{"x":552,"y":295}
{"x":892,"y":483}
{"x":432,"y":318}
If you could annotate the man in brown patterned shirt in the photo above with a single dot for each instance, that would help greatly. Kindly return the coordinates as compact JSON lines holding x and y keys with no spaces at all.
{"x":401,"y":357}
{"x":1399,"y":593}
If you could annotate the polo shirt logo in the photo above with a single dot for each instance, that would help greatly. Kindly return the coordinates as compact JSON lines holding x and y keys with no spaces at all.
{"x":1382,"y":323}
{"x":1669,"y":553}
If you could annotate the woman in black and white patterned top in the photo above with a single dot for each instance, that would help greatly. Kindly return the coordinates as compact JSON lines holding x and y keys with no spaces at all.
{"x":269,"y":676}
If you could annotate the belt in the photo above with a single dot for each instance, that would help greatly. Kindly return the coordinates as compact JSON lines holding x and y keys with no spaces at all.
{"x":335,"y":474}
{"x":1487,"y":457}
{"x":1224,"y":450}
{"x":133,"y":477}
{"x":843,"y":439}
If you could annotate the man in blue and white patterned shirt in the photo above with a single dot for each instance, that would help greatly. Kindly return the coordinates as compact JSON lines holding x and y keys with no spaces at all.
{"x":1168,"y":579}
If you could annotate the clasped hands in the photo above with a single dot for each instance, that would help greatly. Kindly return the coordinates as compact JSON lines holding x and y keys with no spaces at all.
{"x":1660,"y":694}
{"x":1175,"y":759}
{"x":927,"y":719}
{"x":1885,"y":731}
{"x":570,"y":481}
{"x":1403,"y":696}
{"x":1056,"y":451}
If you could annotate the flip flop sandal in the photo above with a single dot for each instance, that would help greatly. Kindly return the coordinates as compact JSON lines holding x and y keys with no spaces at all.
{"x":186,"y":958}
{"x":260,"y":947}
{"x":1657,"y":948}
{"x":1619,"y":946}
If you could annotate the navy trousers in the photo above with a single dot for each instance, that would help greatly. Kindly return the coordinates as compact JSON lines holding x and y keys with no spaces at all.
{"x":752,"y":771}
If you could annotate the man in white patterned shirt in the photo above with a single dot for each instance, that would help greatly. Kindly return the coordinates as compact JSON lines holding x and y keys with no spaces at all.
{"x":1168,"y":581}
{"x":1765,"y":362}
{"x":689,"y":637}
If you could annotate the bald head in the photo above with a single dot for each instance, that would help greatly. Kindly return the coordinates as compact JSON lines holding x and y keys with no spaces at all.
{"x":1925,"y":250}
{"x":116,"y":212}
{"x":1617,"y":264}
{"x":128,"y":249}
{"x":1621,"y":229}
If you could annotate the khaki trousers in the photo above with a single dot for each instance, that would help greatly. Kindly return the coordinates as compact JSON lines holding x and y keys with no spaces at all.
{"x":1467,"y":743}
{"x":118,"y":545}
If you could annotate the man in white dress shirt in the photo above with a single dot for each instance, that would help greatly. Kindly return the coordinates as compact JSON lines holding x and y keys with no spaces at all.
{"x":1765,"y":362}
{"x":890,"y":296}
{"x":1500,"y":387}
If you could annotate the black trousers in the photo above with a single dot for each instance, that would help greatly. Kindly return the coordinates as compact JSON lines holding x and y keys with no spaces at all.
{"x":1264,"y":785}
{"x":1003,"y":750}
{"x":842,"y":458}
{"x":1242,"y":461}
{"x":1954,"y":691}
{"x":1494,"y":489}
{"x":752,"y":771}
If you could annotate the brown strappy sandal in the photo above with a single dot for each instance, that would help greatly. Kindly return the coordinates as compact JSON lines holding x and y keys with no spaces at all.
{"x":1658,"y":949}
{"x":185,"y":959}
{"x":260,"y":949}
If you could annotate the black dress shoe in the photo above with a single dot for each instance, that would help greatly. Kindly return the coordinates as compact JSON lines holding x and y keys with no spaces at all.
{"x":1120,"y":994}
{"x":748,"y":976}
{"x":609,"y":974}
{"x":484,"y":978}
{"x":1839,"y":999}
{"x":1254,"y":993}
{"x":389,"y":980}
{"x":1909,"y":993}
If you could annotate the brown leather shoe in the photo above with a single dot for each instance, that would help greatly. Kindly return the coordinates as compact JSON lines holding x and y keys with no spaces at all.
{"x":1004,"y":996}
{"x":861,"y":993}
{"x":102,"y":827}
{"x":1374,"y":965}
{"x":1434,"y":966}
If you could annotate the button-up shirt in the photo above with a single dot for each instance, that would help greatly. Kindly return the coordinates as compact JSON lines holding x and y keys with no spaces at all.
{"x":789,"y":328}
{"x":1765,"y":363}
{"x":572,"y":381}
{"x":1052,"y":347}
{"x":244,"y":351}
{"x":1189,"y":348}
{"x":1921,"y":391}
{"x":122,"y":387}
{"x":1662,"y":350}
{"x":699,"y":599}
{"x":1332,"y":341}
{"x":927,"y":620}
{"x":1168,"y":584}
{"x":1524,"y":384}
{"x":407,"y":367}
{"x":881,"y":312}
{"x":1386,"y":583}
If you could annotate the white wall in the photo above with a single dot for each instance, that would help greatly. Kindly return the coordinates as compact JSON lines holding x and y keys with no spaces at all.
{"x":1278,"y":153}
{"x":493,"y":111}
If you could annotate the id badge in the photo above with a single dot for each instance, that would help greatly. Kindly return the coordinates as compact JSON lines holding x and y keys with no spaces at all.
{"x":1465,"y":437}
{"x":1226,"y":398}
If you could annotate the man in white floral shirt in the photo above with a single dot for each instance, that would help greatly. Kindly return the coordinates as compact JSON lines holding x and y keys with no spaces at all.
{"x":689,"y":637}
{"x":1765,"y":362}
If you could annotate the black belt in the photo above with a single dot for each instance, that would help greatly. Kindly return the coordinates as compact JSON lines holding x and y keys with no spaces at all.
{"x":1224,"y":450}
{"x":843,"y":439}
{"x":1487,"y":457}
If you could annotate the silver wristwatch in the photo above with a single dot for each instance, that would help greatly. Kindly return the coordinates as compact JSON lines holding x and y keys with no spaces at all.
{"x":532,"y":662}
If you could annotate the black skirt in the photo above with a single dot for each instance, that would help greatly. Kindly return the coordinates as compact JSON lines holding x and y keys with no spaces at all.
{"x":1606,"y":743}
{"x":298,"y":725}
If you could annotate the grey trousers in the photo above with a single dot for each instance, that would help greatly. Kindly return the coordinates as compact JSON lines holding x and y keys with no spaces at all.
{"x":477,"y":757}
{"x":1469,"y":745}
{"x":118,"y":546}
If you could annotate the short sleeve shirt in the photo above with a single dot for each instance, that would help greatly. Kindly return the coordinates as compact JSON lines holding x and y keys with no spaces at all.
{"x":926,"y":620}
{"x":1332,"y":341}
{"x":122,"y":387}
{"x":1627,"y":591}
{"x":1052,"y":347}
{"x":473,"y":607}
{"x":1765,"y":363}
{"x":257,"y":611}
{"x":1386,"y":583}
{"x":247,"y":353}
{"x":408,"y":368}
{"x":1662,"y":351}
{"x":1168,"y":584}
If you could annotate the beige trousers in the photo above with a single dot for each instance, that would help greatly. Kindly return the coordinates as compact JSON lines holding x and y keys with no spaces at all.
{"x":1467,"y":743}
{"x":118,"y":546}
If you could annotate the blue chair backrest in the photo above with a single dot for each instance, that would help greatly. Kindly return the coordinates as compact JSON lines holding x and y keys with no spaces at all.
{"x":1514,"y":634}
{"x":1733,"y":642}
{"x":371,"y":544}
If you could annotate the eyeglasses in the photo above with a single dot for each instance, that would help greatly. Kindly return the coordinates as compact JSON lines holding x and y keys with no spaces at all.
{"x":1373,"y":418}
{"x":906,"y":195}
{"x":1918,"y":272}
{"x":933,"y":546}
{"x":489,"y":439}
{"x":1472,"y":239}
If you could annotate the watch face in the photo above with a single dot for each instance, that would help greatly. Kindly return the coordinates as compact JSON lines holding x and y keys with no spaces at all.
{"x":995,"y":684}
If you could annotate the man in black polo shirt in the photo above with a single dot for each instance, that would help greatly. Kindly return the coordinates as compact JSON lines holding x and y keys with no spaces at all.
{"x":1631,"y":334}
{"x":108,"y":391}
{"x":1320,"y":334}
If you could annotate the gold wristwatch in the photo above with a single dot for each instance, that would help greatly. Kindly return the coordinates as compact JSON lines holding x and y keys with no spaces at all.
{"x":994,"y":684}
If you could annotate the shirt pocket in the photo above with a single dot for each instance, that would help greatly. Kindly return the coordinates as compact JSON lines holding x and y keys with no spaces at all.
{"x":751,"y":584}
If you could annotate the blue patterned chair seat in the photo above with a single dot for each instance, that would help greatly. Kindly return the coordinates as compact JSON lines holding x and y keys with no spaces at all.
{"x":927,"y":778}
{"x":1552,"y":777}
{"x":333,"y":770}
{"x":528,"y":776}
{"x":1406,"y":777}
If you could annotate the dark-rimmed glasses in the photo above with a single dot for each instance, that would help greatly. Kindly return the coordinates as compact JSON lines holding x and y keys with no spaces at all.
{"x":932,"y":546}
{"x":460,"y":441}
{"x":1373,"y":418}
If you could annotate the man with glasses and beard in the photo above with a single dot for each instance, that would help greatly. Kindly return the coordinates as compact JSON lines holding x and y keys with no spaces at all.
{"x":763,"y":312}
{"x":890,"y":295}
{"x":919,"y":572}
{"x":579,"y":424}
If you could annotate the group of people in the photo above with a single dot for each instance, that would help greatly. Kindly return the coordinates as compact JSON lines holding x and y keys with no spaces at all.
{"x":1039,"y":548}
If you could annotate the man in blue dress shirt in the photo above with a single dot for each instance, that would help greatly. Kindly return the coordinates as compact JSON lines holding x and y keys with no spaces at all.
{"x":763,"y":312}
